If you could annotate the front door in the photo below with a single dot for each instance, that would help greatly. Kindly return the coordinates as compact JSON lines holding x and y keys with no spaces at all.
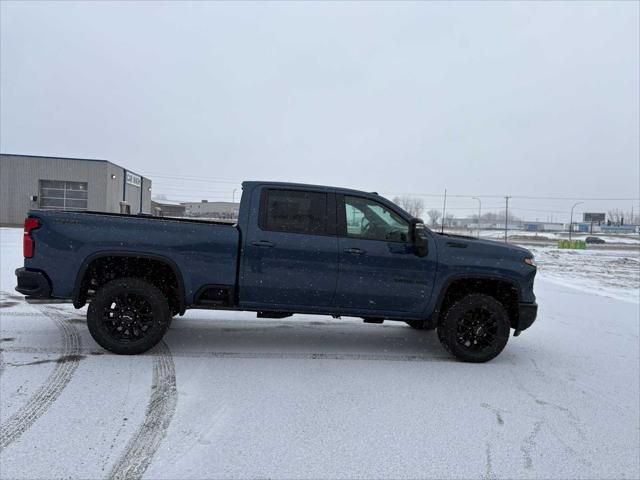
{"x":290,"y":256}
{"x":379,"y":270}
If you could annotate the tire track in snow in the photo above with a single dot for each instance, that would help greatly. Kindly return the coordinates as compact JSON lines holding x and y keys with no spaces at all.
{"x":1,"y":362}
{"x":529,"y":444}
{"x":50,"y":390}
{"x":18,"y":314}
{"x":139,"y":451}
{"x":373,"y":357}
{"x":4,"y":302}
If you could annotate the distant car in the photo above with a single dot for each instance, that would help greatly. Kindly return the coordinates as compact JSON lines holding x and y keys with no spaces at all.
{"x":594,"y":240}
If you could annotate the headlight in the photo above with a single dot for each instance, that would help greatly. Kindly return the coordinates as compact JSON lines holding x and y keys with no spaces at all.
{"x":529,"y":261}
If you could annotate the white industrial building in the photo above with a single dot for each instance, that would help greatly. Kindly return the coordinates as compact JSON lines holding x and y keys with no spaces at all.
{"x":206,"y":209}
{"x":55,"y":183}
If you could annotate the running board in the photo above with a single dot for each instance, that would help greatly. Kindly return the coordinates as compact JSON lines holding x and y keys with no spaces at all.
{"x":273,"y":314}
{"x":38,"y":300}
{"x":373,"y":320}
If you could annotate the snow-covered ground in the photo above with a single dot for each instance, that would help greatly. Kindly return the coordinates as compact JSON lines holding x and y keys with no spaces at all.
{"x":551,"y":237}
{"x":611,"y":273}
{"x":230,"y":396}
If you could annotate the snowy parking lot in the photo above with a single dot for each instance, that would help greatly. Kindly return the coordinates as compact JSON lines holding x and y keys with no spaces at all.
{"x":227,"y":395}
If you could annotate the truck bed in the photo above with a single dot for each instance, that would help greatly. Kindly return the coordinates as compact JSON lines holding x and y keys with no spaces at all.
{"x":206,"y":251}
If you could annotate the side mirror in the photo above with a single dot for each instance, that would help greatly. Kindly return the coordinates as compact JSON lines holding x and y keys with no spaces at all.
{"x":419,"y":237}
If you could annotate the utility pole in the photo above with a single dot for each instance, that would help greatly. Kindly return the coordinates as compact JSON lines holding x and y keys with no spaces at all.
{"x":479,"y":213}
{"x":506,"y":218}
{"x":444,"y":208}
{"x":571,"y":219}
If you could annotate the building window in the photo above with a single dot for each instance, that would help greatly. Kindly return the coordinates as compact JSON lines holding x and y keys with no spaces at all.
{"x":63,"y":195}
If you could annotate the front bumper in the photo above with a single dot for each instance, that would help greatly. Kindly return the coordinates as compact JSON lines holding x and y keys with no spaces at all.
{"x":527,"y":313}
{"x":33,"y":283}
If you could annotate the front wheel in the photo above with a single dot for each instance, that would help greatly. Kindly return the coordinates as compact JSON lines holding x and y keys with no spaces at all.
{"x":475,"y":328}
{"x":128,"y":316}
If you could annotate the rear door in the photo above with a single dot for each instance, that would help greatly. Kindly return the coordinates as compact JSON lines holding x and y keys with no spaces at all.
{"x":379,"y":270}
{"x":291,"y":253}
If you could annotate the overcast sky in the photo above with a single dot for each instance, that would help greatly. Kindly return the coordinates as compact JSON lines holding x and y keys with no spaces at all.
{"x":525,"y":99}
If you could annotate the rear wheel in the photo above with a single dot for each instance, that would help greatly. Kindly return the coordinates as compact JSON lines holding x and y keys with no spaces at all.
{"x":475,"y":328}
{"x":128,"y":316}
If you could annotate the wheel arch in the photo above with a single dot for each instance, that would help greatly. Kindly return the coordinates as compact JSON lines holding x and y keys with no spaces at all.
{"x":503,"y":288}
{"x":79,"y":288}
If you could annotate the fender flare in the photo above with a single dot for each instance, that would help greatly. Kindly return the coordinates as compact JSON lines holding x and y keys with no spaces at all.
{"x":471,"y":276}
{"x":75,"y":295}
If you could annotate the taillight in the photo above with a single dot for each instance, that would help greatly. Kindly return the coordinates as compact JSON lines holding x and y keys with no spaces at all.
{"x":27,"y":242}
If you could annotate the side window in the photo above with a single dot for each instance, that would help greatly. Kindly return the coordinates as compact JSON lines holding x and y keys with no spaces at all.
{"x":371,"y":220}
{"x":294,"y":211}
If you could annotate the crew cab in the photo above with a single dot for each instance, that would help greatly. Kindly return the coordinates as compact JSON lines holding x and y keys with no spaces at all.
{"x":294,"y":249}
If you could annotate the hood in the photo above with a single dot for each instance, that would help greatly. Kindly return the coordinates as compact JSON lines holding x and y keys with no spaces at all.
{"x":507,"y":248}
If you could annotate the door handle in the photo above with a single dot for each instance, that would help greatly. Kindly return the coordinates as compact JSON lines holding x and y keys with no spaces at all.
{"x":354,"y":251}
{"x":263,"y":243}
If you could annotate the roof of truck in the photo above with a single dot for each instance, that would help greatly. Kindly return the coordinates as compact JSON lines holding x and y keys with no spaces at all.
{"x":326,"y":188}
{"x":306,"y":185}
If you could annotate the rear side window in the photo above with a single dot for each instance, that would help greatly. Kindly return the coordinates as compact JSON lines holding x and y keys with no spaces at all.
{"x":294,"y":211}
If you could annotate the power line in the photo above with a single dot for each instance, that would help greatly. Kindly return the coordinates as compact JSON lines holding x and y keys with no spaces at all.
{"x":193,"y":179}
{"x":206,"y":197}
{"x":168,"y":175}
{"x":190,"y":190}
{"x":522,"y":197}
{"x":573,"y":198}
{"x":423,"y":194}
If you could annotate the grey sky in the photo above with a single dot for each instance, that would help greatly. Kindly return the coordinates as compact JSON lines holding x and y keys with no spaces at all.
{"x":528,"y":99}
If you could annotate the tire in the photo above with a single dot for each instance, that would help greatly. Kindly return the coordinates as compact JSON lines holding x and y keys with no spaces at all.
{"x":475,"y":329}
{"x":419,"y":324}
{"x":128,"y":316}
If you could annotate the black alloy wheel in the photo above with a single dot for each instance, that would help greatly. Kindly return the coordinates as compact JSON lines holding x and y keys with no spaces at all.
{"x":475,"y":329}
{"x":128,"y":316}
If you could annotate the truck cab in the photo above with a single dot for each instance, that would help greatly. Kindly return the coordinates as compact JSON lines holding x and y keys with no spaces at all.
{"x":316,"y":249}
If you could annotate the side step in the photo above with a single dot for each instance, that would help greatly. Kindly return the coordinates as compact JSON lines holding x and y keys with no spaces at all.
{"x":373,"y":320}
{"x":273,"y":315}
{"x":40,"y":300}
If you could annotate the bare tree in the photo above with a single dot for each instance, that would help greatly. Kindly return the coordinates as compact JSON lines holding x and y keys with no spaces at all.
{"x":493,"y":217}
{"x":448,"y":219}
{"x":434,"y":215}
{"x":615,"y":216}
{"x":512,"y":218}
{"x":413,"y":205}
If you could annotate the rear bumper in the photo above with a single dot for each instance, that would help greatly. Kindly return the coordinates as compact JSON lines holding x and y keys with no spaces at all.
{"x":527,"y":313}
{"x":33,"y":283}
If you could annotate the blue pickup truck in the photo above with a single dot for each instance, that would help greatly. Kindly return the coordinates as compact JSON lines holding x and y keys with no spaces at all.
{"x":295,"y":249}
